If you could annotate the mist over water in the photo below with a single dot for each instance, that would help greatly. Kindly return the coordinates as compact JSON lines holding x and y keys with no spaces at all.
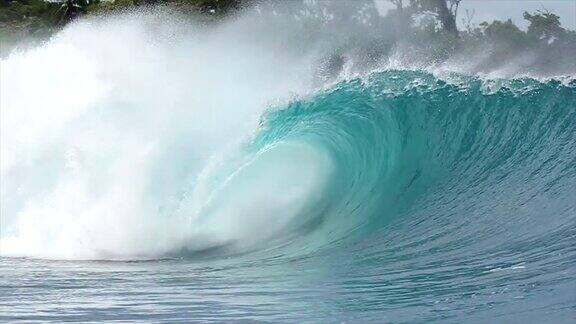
{"x":290,"y":163}
{"x":97,"y":159}
{"x":111,"y":129}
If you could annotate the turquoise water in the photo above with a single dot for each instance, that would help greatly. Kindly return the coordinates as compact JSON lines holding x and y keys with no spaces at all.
{"x":397,"y":197}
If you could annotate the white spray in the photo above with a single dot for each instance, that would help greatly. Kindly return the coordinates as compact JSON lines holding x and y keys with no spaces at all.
{"x":107,"y":128}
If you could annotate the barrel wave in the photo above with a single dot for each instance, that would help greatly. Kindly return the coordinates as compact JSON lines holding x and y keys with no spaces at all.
{"x":392,"y":195}
{"x":473,"y":158}
{"x":431,"y":193}
{"x":464,"y":191}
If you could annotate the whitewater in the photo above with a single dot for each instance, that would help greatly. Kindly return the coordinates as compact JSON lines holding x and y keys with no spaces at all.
{"x":272,"y":168}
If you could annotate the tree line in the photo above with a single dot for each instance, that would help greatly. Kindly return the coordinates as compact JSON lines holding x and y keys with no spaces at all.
{"x":430,"y":26}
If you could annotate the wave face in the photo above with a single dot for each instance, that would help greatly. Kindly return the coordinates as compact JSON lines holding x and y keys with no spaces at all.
{"x":396,"y":195}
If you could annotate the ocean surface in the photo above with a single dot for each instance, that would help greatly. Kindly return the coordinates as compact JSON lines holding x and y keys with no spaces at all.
{"x":441,"y":202}
{"x":394,"y":195}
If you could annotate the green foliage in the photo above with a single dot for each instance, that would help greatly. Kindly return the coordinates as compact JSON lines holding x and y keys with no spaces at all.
{"x":34,"y":20}
{"x":424,"y":24}
{"x":443,"y":10}
{"x":32,"y":15}
{"x":216,"y":6}
{"x":543,"y":46}
{"x":99,"y":6}
{"x":31,"y":19}
{"x":544,"y":25}
{"x":504,"y":33}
